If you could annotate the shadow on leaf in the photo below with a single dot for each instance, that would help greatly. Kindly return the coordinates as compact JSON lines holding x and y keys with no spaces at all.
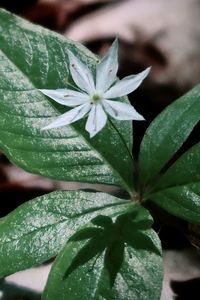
{"x":112,"y":237}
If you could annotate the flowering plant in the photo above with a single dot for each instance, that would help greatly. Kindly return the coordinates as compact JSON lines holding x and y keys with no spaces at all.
{"x":93,"y":96}
{"x":105,"y":246}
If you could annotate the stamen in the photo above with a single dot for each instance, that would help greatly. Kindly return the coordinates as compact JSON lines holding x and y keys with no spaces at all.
{"x":95,"y":98}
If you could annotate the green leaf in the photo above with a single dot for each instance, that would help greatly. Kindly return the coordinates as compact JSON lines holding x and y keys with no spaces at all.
{"x":181,"y":201}
{"x":34,"y":58}
{"x":167,"y":133}
{"x":37,"y":230}
{"x":178,"y":190}
{"x":109,"y":267}
{"x":184,"y":171}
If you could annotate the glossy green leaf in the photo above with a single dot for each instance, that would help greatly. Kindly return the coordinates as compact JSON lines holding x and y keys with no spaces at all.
{"x":182,"y":201}
{"x":34,"y":58}
{"x":113,"y":264}
{"x":37,"y":230}
{"x":167,"y":133}
{"x":184,"y":171}
{"x":178,"y":190}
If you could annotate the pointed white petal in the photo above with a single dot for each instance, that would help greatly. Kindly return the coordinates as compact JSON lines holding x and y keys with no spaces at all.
{"x":81,"y":74}
{"x":121,"y":111}
{"x":66,"y":97}
{"x":69,"y":117}
{"x":96,"y":120}
{"x":107,"y":69}
{"x":126,"y":85}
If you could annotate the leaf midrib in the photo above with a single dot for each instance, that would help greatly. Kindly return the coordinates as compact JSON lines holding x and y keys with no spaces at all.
{"x":67,"y":218}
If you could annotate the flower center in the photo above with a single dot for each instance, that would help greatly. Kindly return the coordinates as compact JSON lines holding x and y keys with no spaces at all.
{"x":95,"y":98}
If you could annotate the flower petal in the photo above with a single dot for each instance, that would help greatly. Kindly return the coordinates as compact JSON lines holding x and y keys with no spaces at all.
{"x":69,"y":117}
{"x":81,"y":74}
{"x":126,"y":85}
{"x":66,"y":97}
{"x":96,"y":120}
{"x":107,"y":69}
{"x":121,"y":111}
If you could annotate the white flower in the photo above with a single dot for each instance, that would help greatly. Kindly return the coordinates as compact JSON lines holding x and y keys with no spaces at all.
{"x":93,"y":97}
